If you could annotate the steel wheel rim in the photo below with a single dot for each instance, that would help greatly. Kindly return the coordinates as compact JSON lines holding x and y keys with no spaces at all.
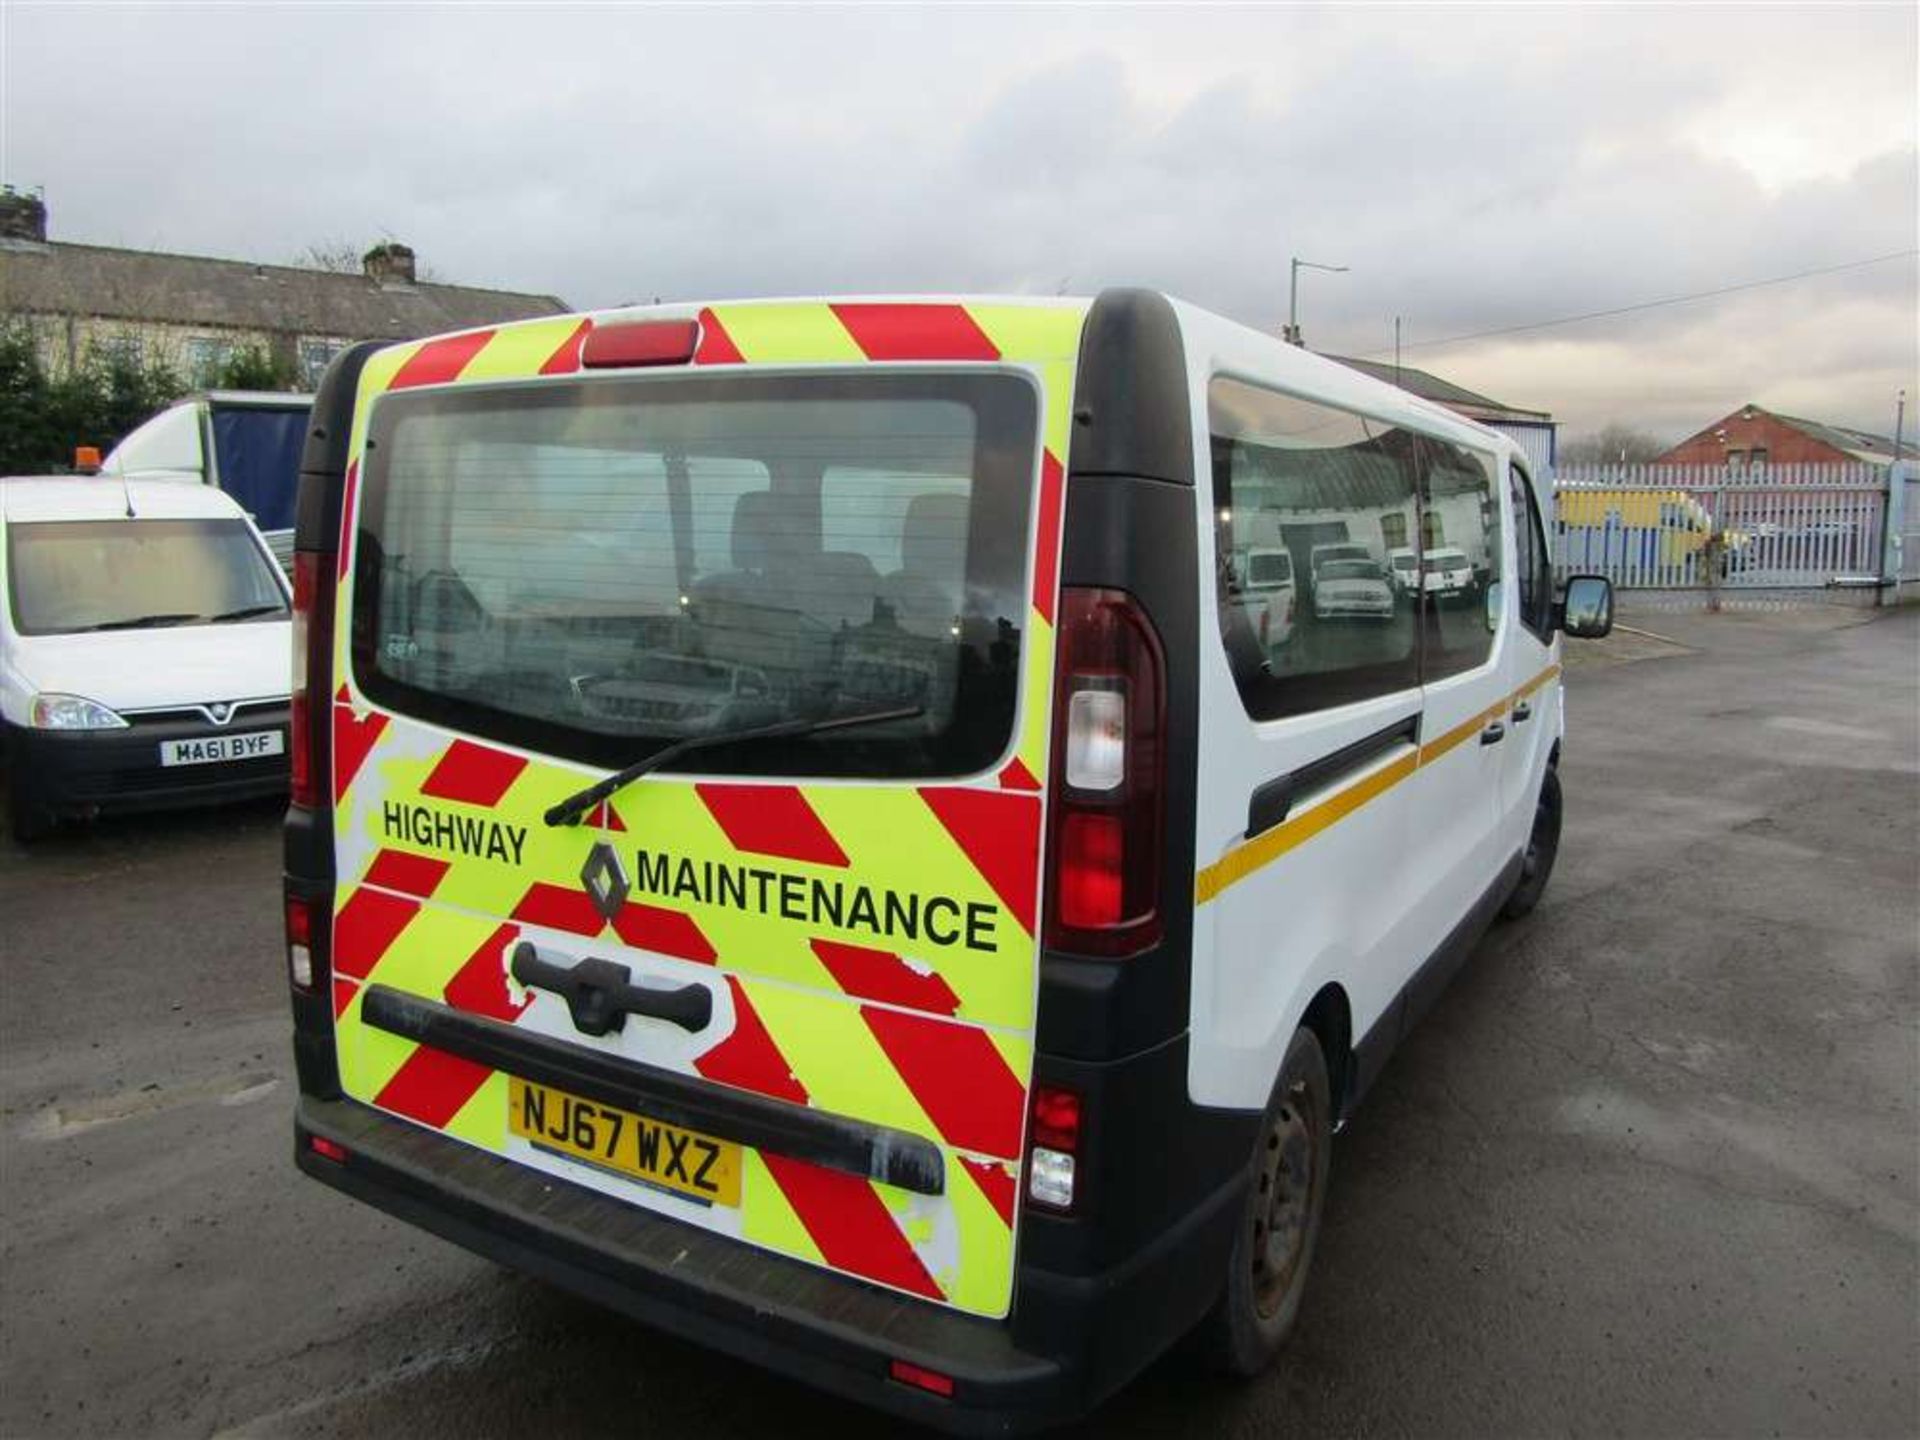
{"x":1284,"y":1187}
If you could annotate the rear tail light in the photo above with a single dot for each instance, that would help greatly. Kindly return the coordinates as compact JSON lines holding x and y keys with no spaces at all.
{"x":1056,"y":1117}
{"x":312,"y":643}
{"x":303,"y":920}
{"x":1109,"y":777}
{"x":305,"y":562}
{"x":1053,"y":1152}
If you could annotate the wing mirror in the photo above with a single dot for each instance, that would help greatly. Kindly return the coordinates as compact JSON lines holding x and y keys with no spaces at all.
{"x":1585,"y":612}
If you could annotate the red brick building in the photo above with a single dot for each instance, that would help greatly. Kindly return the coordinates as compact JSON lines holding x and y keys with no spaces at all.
{"x":1752,"y":436}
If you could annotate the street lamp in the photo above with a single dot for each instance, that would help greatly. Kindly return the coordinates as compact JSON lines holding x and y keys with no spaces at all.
{"x":1292,"y":333}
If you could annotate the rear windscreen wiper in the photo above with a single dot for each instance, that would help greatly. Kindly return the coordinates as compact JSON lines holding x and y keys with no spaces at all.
{"x":246,"y":612}
{"x":569,"y":810}
{"x":137,"y":622}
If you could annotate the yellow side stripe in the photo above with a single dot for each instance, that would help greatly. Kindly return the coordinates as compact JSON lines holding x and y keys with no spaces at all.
{"x":1270,"y":845}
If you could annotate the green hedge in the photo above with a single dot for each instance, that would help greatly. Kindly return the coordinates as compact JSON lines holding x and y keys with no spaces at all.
{"x":44,"y":417}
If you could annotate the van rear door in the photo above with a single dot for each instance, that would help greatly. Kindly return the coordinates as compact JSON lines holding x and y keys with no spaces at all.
{"x":782,"y":987}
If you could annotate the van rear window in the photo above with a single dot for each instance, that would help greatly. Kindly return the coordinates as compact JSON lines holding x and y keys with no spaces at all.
{"x":606,"y":566}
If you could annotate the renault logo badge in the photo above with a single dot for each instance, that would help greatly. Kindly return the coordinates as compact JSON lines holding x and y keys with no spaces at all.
{"x":605,"y":880}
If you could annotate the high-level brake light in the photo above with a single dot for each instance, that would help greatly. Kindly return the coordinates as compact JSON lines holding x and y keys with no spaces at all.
{"x":627,"y":344}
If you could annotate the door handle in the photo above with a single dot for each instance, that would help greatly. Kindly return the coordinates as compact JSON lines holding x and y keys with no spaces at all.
{"x":599,"y":996}
{"x":1493,"y":734}
{"x":1522,"y":712}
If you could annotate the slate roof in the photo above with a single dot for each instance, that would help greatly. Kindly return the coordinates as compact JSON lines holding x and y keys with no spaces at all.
{"x":149,"y":286}
{"x":1444,"y":392}
{"x":1862,"y":443}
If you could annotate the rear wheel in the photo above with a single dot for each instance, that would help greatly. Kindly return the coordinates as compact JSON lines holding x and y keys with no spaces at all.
{"x":1543,"y":845}
{"x":1280,"y":1223}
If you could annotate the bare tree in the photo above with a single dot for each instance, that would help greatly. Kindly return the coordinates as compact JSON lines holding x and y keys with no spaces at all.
{"x":342,"y":257}
{"x":336,"y":256}
{"x":1614,"y":443}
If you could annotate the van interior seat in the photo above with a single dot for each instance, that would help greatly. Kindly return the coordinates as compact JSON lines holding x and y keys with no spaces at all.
{"x":837,"y":587}
{"x":764,"y":545}
{"x":924,"y":593}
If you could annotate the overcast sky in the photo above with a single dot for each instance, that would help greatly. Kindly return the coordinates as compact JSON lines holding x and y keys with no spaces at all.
{"x":1476,"y":168}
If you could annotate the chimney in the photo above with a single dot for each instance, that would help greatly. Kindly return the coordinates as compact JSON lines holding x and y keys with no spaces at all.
{"x":24,"y":217}
{"x":390,"y":263}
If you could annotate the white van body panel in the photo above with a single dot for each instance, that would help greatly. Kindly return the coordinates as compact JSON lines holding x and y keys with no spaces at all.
{"x":1532,"y":739}
{"x":1366,"y":900}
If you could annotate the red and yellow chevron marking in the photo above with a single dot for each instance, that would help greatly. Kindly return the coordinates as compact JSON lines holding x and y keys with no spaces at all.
{"x":927,"y":1036}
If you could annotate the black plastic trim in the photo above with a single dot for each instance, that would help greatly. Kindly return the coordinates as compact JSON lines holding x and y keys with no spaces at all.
{"x":1149,"y":1162}
{"x":1132,"y":410}
{"x":307,"y":844}
{"x":837,"y":1142}
{"x":1271,"y":802}
{"x":1137,"y":535}
{"x":323,"y":464}
{"x":307,"y":837}
{"x":1129,"y":525}
{"x":808,"y":1324}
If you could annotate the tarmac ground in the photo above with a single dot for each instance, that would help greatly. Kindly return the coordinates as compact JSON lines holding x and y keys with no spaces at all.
{"x":1648,"y":1168}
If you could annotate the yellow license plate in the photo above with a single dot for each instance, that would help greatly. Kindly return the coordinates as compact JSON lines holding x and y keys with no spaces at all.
{"x":660,"y":1154}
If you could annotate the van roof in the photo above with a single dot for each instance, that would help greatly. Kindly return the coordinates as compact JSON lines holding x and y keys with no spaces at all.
{"x":100,"y":497}
{"x":1229,"y":346}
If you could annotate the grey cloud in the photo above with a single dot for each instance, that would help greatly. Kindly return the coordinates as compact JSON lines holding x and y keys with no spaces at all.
{"x":1476,"y":169}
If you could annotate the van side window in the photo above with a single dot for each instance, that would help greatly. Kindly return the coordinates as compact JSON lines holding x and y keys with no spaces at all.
{"x":1531,"y":562}
{"x":1460,"y":506}
{"x":1326,"y":487}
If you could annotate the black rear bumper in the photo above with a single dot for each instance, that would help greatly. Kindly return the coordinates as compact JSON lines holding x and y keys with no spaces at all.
{"x":805,"y":1323}
{"x":808,"y":1324}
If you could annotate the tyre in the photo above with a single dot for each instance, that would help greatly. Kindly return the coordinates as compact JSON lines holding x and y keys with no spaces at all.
{"x":1543,"y":844}
{"x":1280,"y":1223}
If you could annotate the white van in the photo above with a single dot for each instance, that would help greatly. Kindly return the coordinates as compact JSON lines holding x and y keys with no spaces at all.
{"x":1443,"y":573}
{"x":144,"y":647}
{"x":245,"y":442}
{"x":795,"y":836}
{"x":1267,"y":588}
{"x":1321,"y":556}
